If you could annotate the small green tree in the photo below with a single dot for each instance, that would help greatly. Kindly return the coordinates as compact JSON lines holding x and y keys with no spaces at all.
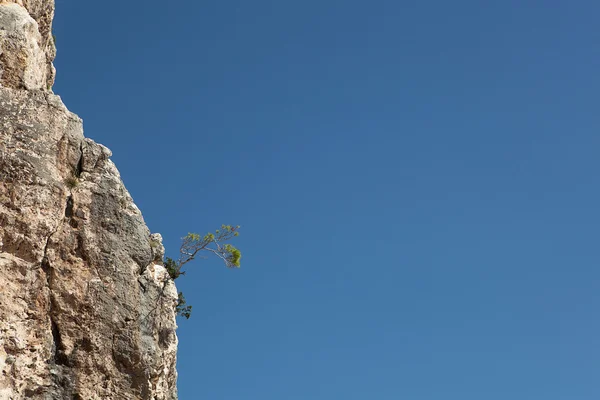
{"x":182,"y":309}
{"x":191,"y":247}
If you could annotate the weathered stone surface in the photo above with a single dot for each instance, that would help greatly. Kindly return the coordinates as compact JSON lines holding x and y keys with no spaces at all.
{"x":86,"y":309}
{"x":27,"y":46}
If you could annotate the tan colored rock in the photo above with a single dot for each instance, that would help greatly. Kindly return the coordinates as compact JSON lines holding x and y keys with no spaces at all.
{"x":86,"y":309}
{"x":42,"y":11}
{"x":27,"y":47}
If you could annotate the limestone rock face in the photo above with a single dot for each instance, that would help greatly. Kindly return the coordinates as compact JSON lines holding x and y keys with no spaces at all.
{"x":86,"y":307}
{"x":26,"y":46}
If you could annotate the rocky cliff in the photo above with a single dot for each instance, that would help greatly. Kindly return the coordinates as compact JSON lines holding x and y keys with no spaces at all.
{"x":86,"y":307}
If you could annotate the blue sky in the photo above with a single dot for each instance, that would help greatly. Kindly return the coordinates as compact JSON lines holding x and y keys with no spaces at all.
{"x":416,"y":181}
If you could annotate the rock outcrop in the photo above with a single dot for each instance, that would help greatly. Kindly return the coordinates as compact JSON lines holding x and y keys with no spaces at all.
{"x":86,"y":307}
{"x":26,"y":44}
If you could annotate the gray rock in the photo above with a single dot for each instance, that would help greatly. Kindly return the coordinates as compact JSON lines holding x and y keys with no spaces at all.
{"x":22,"y":53}
{"x":87,"y":311}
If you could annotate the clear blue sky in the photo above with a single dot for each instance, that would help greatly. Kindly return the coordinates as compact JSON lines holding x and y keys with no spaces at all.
{"x":416,"y":181}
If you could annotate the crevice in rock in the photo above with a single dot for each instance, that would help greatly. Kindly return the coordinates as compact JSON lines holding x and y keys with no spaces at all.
{"x":79,"y":168}
{"x":142,"y":286}
{"x":58,"y":350}
{"x":45,"y":262}
{"x":57,"y":356}
{"x":69,"y":207}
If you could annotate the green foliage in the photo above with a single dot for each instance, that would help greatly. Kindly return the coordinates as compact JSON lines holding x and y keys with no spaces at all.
{"x":173,"y":268}
{"x":182,"y":309}
{"x":72,"y":182}
{"x":193,"y":243}
{"x":234,"y":255}
{"x":191,"y":246}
